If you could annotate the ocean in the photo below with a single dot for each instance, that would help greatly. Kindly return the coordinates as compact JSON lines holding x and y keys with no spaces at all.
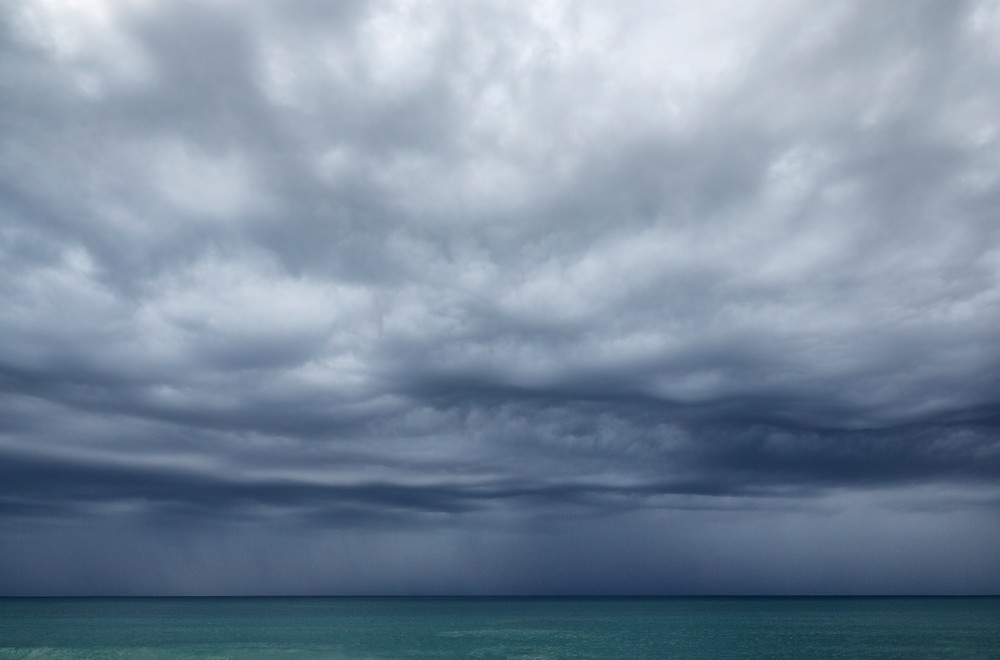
{"x":718,"y":628}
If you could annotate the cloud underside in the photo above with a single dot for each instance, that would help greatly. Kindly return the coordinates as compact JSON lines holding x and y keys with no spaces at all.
{"x":399,"y":266}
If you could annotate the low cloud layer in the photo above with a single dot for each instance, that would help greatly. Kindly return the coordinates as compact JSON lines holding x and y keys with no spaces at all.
{"x":395,"y":297}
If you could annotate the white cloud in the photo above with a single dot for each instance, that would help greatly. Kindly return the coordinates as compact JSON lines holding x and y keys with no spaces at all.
{"x":489,"y":264}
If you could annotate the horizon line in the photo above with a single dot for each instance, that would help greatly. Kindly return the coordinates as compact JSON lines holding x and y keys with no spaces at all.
{"x":502,"y":596}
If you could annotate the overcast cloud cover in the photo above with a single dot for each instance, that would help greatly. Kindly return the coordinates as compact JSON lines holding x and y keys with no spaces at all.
{"x":499,"y":297}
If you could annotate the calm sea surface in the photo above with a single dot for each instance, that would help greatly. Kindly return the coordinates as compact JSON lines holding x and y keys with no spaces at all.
{"x":800,"y":628}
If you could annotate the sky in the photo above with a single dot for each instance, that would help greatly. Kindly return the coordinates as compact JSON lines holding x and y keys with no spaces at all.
{"x":303,"y":297}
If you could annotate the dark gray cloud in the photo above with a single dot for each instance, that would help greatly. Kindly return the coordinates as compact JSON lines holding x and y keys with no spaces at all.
{"x":397,"y":297}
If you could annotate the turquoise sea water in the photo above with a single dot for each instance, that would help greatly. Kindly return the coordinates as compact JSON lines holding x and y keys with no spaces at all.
{"x":800,"y":628}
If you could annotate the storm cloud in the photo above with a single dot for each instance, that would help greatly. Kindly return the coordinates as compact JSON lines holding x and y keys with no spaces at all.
{"x":405,"y":297}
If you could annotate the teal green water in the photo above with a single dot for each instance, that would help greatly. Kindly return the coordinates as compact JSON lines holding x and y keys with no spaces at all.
{"x":800,"y":628}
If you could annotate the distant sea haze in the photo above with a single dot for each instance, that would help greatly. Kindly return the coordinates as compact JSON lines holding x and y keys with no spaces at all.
{"x":797,"y":628}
